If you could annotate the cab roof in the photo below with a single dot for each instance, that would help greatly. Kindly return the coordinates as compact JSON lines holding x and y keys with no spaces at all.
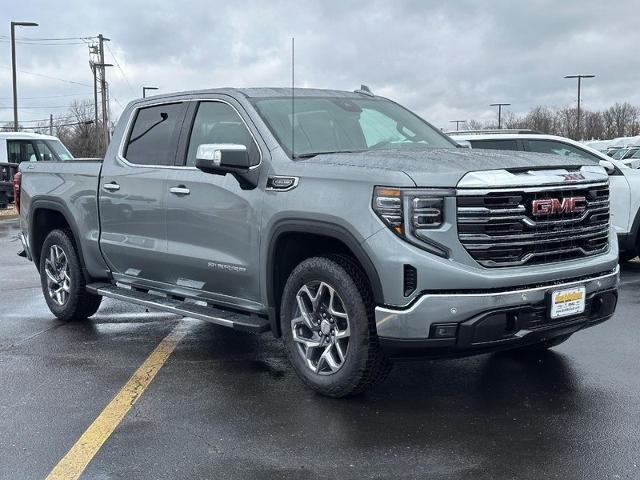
{"x":25,"y":136}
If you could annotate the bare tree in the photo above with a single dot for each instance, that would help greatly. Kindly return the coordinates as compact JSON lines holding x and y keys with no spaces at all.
{"x":620,"y":120}
{"x":593,"y":125}
{"x":541,"y":119}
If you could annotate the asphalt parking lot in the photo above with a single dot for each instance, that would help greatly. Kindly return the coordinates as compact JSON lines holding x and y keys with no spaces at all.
{"x":227,"y":405}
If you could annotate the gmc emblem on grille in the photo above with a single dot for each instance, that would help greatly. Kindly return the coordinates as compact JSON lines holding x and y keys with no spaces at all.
{"x":551,"y":206}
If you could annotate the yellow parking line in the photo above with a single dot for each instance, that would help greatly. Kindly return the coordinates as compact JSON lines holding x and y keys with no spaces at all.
{"x":76,"y":460}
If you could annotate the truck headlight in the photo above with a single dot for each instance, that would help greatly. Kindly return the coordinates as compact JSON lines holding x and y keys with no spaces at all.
{"x":407,"y":210}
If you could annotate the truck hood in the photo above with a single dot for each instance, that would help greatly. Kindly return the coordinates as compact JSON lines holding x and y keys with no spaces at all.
{"x":446,"y":167}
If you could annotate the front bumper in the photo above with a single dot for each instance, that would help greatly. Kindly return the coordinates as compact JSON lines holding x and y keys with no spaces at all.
{"x":492,"y":320}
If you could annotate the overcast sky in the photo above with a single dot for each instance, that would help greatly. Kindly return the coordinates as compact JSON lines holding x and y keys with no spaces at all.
{"x":445,"y":60}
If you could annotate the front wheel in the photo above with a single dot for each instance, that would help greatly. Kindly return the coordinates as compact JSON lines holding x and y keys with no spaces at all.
{"x":328,"y":327}
{"x":62,"y":280}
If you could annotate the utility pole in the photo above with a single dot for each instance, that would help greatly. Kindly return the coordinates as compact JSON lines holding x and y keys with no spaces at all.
{"x":457,"y":122}
{"x":103,"y":88}
{"x":93,"y":49}
{"x":13,"y":67}
{"x":579,"y":77}
{"x":499,"y":105}
{"x":51,"y":124}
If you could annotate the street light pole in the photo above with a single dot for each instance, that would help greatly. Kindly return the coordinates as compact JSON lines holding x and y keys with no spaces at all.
{"x":13,"y":67}
{"x":579,"y":77}
{"x":457,"y":122}
{"x":144,"y":90}
{"x":499,"y":105}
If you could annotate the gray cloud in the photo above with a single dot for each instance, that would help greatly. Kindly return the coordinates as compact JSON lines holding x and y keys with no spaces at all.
{"x":446,"y":60}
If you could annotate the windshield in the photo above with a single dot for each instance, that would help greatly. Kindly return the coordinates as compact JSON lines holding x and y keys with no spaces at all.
{"x":618,"y":154}
{"x":59,"y":149}
{"x":338,"y":125}
{"x":630,"y":153}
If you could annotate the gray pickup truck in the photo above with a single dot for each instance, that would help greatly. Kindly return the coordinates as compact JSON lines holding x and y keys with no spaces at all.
{"x":339,"y":221}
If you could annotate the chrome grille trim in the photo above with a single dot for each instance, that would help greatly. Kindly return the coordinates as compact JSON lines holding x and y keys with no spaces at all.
{"x":498,"y":229}
{"x":573,"y":186}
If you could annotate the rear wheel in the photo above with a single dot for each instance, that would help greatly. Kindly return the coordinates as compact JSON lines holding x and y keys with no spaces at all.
{"x":62,"y":280}
{"x":328,"y":328}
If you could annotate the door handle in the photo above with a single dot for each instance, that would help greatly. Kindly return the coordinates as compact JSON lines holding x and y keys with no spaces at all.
{"x":112,"y":187}
{"x":180,"y":190}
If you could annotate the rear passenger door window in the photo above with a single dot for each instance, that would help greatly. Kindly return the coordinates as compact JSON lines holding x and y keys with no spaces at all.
{"x":154,"y":137}
{"x":21,"y":151}
{"x":495,"y":144}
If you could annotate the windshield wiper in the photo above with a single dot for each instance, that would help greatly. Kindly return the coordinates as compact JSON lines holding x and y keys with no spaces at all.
{"x":314,"y":154}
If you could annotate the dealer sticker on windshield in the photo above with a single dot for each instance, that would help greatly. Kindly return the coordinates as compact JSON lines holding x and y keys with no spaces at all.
{"x":569,"y":301}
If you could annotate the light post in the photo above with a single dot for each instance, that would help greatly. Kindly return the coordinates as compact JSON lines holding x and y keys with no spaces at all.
{"x":13,"y":67}
{"x":499,"y":105}
{"x":579,"y":77}
{"x":457,"y":122}
{"x":144,"y":90}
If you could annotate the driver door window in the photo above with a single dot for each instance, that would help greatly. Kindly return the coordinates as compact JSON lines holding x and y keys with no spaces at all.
{"x":218,"y":122}
{"x":44,"y":152}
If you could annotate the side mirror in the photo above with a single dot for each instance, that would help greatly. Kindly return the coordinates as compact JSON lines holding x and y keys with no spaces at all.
{"x":608,"y":166}
{"x":463,"y":143}
{"x":223,"y":158}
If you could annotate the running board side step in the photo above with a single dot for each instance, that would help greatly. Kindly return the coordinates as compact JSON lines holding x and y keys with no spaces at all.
{"x":246,"y":322}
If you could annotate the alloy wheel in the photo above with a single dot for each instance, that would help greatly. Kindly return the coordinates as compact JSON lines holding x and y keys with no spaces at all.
{"x":320,"y":328}
{"x":58,"y":279}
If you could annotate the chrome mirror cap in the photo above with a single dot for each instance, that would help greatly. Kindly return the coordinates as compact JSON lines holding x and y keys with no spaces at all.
{"x":213,"y":151}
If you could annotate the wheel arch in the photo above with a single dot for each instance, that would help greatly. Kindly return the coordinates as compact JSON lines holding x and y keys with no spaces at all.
{"x":40,"y":225}
{"x":320,"y":237}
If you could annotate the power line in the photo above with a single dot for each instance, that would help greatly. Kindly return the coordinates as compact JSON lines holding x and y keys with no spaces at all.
{"x":49,"y":77}
{"x":121,"y":70}
{"x":47,"y":39}
{"x":66,"y":117}
{"x":40,"y":107}
{"x":46,"y":44}
{"x":44,"y":127}
{"x":47,"y":96}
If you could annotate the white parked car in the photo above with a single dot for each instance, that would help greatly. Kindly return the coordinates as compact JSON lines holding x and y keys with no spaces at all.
{"x":17,"y":147}
{"x":624,"y":181}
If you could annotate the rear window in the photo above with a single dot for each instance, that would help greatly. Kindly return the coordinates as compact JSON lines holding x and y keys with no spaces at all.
{"x":153,"y":138}
{"x":495,"y":144}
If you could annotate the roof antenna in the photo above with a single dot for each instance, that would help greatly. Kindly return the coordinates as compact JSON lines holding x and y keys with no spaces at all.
{"x":364,"y":90}
{"x":293,"y":82}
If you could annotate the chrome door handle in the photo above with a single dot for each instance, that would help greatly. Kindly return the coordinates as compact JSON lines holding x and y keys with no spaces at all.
{"x":180,"y":190}
{"x":112,"y":187}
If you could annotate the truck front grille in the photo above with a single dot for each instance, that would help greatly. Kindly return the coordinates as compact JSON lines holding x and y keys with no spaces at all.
{"x":499,"y":228}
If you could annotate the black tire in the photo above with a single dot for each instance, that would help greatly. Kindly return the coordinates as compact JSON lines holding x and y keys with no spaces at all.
{"x":364,"y":363}
{"x":78,"y":304}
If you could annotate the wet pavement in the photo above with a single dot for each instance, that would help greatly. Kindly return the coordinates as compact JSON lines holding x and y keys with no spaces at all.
{"x":227,"y":405}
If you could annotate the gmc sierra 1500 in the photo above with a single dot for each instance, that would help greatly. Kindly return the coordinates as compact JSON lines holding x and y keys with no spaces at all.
{"x":340,"y":221}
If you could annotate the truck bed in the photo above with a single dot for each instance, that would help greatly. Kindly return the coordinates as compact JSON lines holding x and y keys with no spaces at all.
{"x":66,"y":188}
